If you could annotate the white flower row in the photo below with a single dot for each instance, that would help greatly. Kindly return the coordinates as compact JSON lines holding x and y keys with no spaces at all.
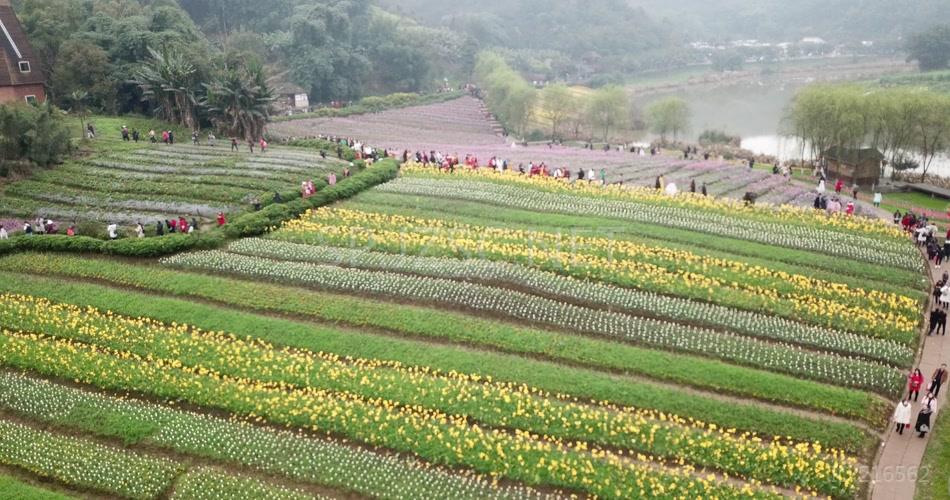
{"x":84,"y":463}
{"x":778,"y":357}
{"x":642,"y":302}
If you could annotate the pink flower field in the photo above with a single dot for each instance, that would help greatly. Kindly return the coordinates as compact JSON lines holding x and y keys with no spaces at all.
{"x":465,"y":127}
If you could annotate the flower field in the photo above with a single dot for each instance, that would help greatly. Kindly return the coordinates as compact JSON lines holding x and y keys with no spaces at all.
{"x":158,"y":183}
{"x":463,"y":126}
{"x":451,"y":336}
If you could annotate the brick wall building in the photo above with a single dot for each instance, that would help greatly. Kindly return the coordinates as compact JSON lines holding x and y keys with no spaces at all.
{"x":21,"y":79}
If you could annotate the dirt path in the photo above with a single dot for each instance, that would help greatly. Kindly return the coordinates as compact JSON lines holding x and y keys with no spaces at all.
{"x":894,"y":477}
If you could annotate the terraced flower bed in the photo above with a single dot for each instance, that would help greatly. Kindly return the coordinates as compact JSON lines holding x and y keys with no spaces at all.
{"x":161,"y":182}
{"x":460,"y":336}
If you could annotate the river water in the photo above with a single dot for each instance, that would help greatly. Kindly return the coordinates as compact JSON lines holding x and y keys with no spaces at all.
{"x":754,"y":111}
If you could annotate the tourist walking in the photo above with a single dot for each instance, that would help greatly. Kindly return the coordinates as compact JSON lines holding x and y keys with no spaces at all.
{"x":703,"y":190}
{"x":878,"y":197}
{"x":914,"y":381}
{"x":159,"y":229}
{"x":3,"y":233}
{"x":139,"y":230}
{"x":902,"y":415}
{"x":927,"y":407}
{"x":821,"y":187}
{"x":839,"y":185}
{"x":234,"y":144}
{"x":221,"y":220}
{"x":938,"y":379}
{"x":111,"y":229}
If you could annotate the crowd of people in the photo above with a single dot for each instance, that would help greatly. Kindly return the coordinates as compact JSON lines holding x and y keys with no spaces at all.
{"x":928,"y":404}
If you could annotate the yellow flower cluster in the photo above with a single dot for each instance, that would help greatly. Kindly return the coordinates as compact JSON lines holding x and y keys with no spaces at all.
{"x":665,"y":270}
{"x":783,"y":213}
{"x":434,"y":434}
{"x":426,"y":393}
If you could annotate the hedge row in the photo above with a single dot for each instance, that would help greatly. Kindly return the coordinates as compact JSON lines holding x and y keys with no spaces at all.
{"x":375,"y":104}
{"x":249,"y":224}
{"x":271,"y":216}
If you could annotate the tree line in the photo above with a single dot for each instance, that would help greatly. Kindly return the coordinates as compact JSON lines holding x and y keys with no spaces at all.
{"x":599,"y":114}
{"x":910,"y":126}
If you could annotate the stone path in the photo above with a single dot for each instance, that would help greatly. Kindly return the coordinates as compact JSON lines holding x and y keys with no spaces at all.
{"x":898,"y":465}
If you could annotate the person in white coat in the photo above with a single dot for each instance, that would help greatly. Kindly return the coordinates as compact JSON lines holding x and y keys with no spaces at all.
{"x":945,"y":295}
{"x":3,"y":233}
{"x":902,"y":415}
{"x":590,"y":175}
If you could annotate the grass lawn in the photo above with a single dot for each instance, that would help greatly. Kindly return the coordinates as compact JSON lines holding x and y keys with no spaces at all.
{"x":934,"y":482}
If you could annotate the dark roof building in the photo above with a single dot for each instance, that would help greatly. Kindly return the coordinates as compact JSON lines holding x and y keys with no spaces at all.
{"x":20,"y":76}
{"x":860,"y":166}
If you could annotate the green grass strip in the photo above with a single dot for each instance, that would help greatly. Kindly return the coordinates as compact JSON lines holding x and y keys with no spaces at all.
{"x":12,"y":488}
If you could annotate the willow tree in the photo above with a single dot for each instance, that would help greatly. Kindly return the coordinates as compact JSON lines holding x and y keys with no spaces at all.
{"x":608,"y":108}
{"x":557,"y":105}
{"x":509,"y":96}
{"x":668,"y":116}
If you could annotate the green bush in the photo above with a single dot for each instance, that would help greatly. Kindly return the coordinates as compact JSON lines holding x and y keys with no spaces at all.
{"x":257,"y":223}
{"x":34,"y":133}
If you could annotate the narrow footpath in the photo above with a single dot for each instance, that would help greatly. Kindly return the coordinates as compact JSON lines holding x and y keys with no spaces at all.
{"x":898,"y":467}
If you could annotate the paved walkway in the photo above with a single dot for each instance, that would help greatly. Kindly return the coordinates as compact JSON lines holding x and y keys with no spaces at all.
{"x":894,"y":477}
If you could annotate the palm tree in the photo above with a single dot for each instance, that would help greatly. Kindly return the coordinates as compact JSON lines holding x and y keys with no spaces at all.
{"x":239,"y":101}
{"x":168,"y":83}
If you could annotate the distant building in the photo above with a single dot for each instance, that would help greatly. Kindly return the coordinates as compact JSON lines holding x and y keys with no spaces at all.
{"x":290,"y":98}
{"x":854,"y":166}
{"x":20,"y":76}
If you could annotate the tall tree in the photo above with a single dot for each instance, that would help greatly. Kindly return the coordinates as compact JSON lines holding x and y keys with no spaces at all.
{"x":239,"y":102}
{"x":557,"y":105}
{"x":930,"y":48}
{"x":608,"y":108}
{"x":669,"y":116}
{"x":168,"y":82}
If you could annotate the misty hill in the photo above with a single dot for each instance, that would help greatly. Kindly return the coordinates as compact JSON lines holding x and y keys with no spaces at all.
{"x":837,"y":21}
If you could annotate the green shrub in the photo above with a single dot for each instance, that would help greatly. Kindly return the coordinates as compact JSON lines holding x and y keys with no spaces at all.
{"x":257,"y":223}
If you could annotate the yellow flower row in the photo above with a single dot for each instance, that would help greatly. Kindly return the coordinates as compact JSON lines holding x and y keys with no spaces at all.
{"x":783,"y":213}
{"x":433,"y":434}
{"x":226,"y":355}
{"x":892,"y":312}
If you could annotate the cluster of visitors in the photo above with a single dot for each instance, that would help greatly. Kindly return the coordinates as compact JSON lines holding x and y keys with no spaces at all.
{"x":832,"y":205}
{"x":360,"y":150}
{"x":927,"y":406}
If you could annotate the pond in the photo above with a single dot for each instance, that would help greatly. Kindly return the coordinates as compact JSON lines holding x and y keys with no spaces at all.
{"x":754,"y":111}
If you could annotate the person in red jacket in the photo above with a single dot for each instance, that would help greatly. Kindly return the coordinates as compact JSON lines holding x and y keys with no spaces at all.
{"x":914,"y":381}
{"x":221,"y":220}
{"x":838,"y":186}
{"x":182,"y":225}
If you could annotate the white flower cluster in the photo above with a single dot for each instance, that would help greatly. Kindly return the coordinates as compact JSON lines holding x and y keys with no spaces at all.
{"x":778,"y":357}
{"x":886,"y":252}
{"x":640,"y":302}
{"x":285,"y":453}
{"x":84,"y":463}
